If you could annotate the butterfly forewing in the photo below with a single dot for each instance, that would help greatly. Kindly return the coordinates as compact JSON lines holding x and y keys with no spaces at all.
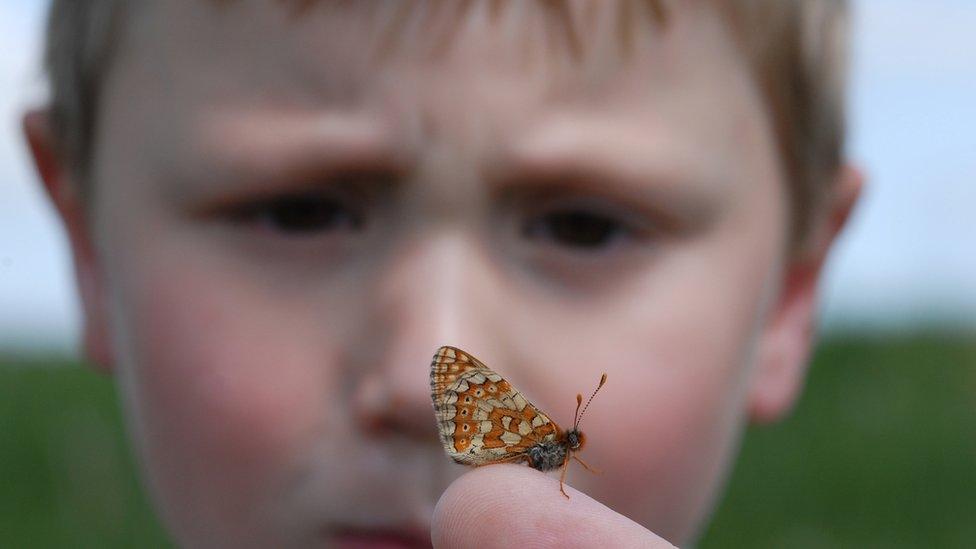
{"x":481,"y":418}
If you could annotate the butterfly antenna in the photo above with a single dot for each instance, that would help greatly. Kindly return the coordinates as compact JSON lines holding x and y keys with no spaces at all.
{"x":579,"y":401}
{"x":579,"y":398}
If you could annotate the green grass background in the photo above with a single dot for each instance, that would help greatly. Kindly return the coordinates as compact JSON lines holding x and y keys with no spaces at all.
{"x":880,"y":452}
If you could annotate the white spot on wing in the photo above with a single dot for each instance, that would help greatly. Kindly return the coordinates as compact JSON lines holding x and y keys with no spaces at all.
{"x":509,"y":437}
{"x":520,"y":402}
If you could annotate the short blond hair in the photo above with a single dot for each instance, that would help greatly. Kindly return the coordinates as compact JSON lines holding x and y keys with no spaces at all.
{"x":797,"y":49}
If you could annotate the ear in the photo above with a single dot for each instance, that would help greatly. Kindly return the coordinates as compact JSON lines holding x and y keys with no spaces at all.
{"x":788,"y":336}
{"x":62,"y":189}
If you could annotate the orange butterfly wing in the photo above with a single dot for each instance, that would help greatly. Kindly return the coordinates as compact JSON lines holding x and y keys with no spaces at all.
{"x":481,"y":418}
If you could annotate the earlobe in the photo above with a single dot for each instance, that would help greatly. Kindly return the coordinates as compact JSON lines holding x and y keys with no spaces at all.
{"x":62,"y":191}
{"x":785,"y":346}
{"x":784,"y":349}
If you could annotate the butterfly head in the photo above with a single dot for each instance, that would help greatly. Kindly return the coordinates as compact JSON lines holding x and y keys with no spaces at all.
{"x":575,"y":439}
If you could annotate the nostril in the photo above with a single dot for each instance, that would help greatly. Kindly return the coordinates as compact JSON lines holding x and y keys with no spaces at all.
{"x":380,"y":409}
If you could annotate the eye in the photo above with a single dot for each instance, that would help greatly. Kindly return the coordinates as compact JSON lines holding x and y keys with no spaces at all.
{"x":577,"y":229}
{"x":303,"y":214}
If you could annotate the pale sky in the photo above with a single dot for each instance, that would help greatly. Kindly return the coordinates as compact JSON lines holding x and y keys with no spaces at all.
{"x":909,"y":258}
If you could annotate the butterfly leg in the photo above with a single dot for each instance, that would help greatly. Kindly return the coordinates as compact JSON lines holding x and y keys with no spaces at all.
{"x":587,"y":467}
{"x":562,"y":478}
{"x":514,"y":457}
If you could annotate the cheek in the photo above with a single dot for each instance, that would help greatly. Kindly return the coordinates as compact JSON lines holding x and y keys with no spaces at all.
{"x":672,"y":435}
{"x":222,"y":386}
{"x":671,"y":422}
{"x":679,"y":362}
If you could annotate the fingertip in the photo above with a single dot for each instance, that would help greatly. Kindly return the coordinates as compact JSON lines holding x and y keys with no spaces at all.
{"x":492,"y":506}
{"x":510,"y":506}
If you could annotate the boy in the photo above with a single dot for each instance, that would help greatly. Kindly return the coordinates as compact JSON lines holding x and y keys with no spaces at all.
{"x":279,"y":210}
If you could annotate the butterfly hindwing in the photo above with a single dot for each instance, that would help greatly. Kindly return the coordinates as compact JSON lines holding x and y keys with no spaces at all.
{"x":481,"y":418}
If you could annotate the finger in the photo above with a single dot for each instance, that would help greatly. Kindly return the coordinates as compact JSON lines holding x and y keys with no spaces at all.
{"x":517,"y":506}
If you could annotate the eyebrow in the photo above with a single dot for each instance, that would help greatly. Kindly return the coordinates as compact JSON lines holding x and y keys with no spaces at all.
{"x":254,"y":151}
{"x":621,"y":160}
{"x":595,"y":145}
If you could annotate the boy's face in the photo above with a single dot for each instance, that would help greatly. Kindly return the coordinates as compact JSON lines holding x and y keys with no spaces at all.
{"x":293,"y":213}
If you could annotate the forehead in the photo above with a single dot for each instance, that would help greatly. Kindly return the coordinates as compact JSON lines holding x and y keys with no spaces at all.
{"x":483,"y":78}
{"x":336,"y":50}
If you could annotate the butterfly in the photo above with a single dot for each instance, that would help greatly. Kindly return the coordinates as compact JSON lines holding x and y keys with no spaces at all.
{"x":482,"y":419}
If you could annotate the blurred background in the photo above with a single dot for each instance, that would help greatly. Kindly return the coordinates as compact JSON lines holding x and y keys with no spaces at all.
{"x":881,"y":450}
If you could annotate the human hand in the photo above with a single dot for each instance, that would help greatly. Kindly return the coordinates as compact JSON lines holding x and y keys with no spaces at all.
{"x":516,"y":506}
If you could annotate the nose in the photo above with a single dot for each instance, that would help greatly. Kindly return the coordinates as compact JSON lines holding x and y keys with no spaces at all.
{"x":437,"y":291}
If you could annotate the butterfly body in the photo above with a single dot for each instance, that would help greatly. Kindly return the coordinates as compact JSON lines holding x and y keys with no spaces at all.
{"x":482,"y":419}
{"x":547,"y":456}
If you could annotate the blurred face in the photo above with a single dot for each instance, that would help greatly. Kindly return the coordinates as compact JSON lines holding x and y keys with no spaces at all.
{"x":293,"y":213}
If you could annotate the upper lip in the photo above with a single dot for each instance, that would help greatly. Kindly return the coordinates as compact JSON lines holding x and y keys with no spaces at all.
{"x":406,"y":536}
